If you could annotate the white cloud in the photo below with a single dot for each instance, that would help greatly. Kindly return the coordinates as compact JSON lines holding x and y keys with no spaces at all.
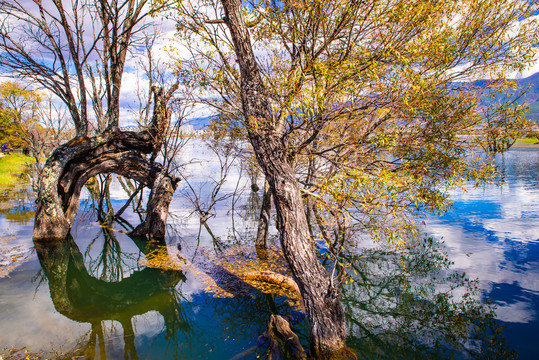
{"x":519,"y":312}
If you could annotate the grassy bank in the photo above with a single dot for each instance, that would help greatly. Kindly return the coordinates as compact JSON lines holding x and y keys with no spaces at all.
{"x":11,"y":166}
{"x":527,"y":140}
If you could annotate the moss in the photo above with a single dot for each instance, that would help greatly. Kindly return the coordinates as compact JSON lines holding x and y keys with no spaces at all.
{"x":77,"y":141}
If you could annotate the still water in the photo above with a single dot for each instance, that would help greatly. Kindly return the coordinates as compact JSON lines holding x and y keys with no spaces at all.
{"x":103,"y":295}
{"x":492,"y":233}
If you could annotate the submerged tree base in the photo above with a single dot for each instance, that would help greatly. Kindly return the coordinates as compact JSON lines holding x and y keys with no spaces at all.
{"x":121,"y":152}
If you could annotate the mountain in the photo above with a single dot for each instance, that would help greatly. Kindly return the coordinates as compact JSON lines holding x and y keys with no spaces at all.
{"x":532,"y":95}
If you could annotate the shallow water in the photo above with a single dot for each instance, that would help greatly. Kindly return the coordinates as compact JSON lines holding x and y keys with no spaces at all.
{"x":492,"y":233}
{"x":96,"y":297}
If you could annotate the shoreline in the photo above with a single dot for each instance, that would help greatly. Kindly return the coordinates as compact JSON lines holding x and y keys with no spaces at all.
{"x":524,"y":147}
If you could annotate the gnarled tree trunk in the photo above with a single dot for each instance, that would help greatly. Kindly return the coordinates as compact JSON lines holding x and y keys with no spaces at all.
{"x":157,"y":210}
{"x":123,"y":153}
{"x":321,"y":299}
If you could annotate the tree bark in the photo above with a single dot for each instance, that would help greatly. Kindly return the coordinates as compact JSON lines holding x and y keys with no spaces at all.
{"x":263,"y":222}
{"x":321,"y":299}
{"x":123,"y":153}
{"x":157,"y":210}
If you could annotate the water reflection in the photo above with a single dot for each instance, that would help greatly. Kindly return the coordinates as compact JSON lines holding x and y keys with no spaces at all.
{"x":402,"y":304}
{"x":17,"y":205}
{"x":409,"y":304}
{"x":491,"y":233}
{"x":84,"y":298}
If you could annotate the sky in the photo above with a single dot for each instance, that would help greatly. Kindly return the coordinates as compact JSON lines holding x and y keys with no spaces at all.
{"x":134,"y":82}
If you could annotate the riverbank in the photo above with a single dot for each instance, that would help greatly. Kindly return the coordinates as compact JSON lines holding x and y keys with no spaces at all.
{"x":522,"y":146}
{"x":12,"y":166}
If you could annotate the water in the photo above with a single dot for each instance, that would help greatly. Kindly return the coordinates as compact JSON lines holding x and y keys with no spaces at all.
{"x":492,"y":233}
{"x":95,"y":295}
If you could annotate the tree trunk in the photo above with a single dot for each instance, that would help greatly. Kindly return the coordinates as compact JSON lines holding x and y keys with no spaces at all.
{"x":123,"y":153}
{"x":321,"y":299}
{"x":157,"y":210}
{"x":263,"y":222}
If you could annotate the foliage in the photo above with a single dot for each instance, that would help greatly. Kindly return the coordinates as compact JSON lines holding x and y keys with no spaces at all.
{"x":379,"y":104}
{"x":18,"y":113}
{"x":31,"y":121}
{"x":504,"y":119}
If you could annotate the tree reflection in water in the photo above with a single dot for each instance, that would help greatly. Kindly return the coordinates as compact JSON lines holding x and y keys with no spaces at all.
{"x":408,"y":303}
{"x":81,"y":297}
{"x":404,"y":303}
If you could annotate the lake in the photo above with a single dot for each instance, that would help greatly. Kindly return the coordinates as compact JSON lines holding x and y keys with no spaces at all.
{"x":468,"y":289}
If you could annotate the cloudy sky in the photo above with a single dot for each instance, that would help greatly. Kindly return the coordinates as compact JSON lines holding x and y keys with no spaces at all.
{"x":165,"y":49}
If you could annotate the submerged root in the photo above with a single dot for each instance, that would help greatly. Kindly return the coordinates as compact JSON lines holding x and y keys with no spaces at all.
{"x":279,"y":340}
{"x":280,"y":333}
{"x":266,"y":275}
{"x":237,"y":273}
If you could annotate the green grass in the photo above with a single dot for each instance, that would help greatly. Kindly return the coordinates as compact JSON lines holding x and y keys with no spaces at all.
{"x":11,"y":166}
{"x":527,"y":140}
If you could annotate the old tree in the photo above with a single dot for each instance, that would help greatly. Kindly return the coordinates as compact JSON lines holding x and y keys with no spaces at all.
{"x":359,"y":113}
{"x":77,"y":50}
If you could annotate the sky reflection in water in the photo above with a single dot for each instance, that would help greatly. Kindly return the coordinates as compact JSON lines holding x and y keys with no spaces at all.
{"x":492,"y":233}
{"x":402,"y":305}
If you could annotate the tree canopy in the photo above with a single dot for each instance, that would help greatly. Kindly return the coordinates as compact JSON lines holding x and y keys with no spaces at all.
{"x":370,"y":109}
{"x":379,"y":103}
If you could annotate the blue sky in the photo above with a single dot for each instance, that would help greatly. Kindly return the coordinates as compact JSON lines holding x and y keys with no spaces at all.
{"x":166,"y":48}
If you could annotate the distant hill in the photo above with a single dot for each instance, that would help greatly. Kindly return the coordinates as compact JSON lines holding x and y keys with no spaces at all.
{"x":532,"y":96}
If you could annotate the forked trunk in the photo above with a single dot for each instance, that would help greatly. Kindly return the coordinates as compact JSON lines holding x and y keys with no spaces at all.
{"x":123,"y":153}
{"x":322,"y":300}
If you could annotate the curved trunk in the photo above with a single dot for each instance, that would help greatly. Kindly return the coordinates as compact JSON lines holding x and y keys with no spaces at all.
{"x":123,"y":153}
{"x":321,"y":299}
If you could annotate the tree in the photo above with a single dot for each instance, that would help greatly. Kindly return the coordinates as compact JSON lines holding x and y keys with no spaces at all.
{"x":78,"y":52}
{"x":19,"y":112}
{"x":357,"y":109}
{"x":504,"y":120}
{"x":32,"y":121}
